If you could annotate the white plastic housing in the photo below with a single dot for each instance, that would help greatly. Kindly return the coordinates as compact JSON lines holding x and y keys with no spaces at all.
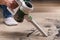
{"x":26,"y":7}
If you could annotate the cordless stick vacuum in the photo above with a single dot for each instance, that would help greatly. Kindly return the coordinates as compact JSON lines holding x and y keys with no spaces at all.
{"x":24,"y":10}
{"x":25,"y":7}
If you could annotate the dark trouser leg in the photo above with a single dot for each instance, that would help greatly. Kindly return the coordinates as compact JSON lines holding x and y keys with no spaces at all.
{"x":6,"y":13}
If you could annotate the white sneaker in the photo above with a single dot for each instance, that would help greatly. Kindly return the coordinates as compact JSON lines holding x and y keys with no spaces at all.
{"x":10,"y":21}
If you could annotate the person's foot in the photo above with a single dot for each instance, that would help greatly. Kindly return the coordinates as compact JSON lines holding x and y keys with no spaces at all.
{"x":10,"y":21}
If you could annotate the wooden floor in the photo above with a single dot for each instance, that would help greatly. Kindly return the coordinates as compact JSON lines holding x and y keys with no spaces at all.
{"x":42,"y":12}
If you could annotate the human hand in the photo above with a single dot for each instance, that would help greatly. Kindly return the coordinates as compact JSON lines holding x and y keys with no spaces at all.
{"x":8,"y":2}
{"x":11,"y":4}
